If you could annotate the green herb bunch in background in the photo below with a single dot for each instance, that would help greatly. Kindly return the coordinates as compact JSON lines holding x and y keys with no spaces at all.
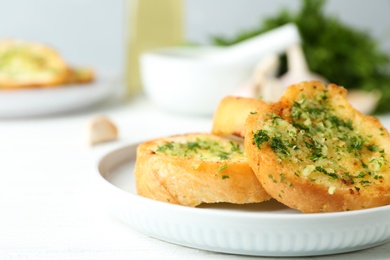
{"x":341,"y":53}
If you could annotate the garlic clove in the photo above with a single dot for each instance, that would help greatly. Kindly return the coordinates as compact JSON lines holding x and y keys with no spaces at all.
{"x":364,"y":101}
{"x":101,"y":129}
{"x":265,"y":85}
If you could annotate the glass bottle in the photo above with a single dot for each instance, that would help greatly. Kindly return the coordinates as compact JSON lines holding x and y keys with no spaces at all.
{"x":150,"y":24}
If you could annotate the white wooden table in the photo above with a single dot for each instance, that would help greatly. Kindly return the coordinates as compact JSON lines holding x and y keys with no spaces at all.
{"x":47,"y":207}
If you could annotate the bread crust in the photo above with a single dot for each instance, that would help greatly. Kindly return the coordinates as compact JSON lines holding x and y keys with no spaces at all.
{"x":335,"y":175}
{"x":79,"y":75}
{"x":231,"y":114}
{"x":191,"y":181}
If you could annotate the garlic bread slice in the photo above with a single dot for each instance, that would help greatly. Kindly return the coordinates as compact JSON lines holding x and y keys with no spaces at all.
{"x":30,"y":64}
{"x":314,"y":152}
{"x":191,"y":169}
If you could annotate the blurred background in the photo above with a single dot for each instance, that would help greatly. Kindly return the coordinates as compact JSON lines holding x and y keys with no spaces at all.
{"x":92,"y":32}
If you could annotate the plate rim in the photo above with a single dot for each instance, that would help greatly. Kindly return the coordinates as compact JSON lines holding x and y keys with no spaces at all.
{"x":69,"y":97}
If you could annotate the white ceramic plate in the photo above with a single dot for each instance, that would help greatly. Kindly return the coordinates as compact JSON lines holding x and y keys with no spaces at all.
{"x":46,"y":101}
{"x":264,"y":229}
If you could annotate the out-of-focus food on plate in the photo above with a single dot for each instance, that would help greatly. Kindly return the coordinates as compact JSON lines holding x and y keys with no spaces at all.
{"x":26,"y":64}
{"x":191,"y":169}
{"x":80,"y":75}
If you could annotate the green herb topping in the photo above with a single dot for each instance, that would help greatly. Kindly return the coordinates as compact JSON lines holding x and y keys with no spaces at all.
{"x":203,"y":148}
{"x":223,"y":167}
{"x":327,"y":146}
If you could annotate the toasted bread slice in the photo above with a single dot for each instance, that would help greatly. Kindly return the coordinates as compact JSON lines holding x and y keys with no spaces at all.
{"x":314,"y":152}
{"x":30,"y":64}
{"x":192,"y":169}
{"x":231,"y":114}
{"x":81,"y":75}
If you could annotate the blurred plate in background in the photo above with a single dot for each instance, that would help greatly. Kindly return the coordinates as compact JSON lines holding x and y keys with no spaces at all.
{"x":61,"y":99}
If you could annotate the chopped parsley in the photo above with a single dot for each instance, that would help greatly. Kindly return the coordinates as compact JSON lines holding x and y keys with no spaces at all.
{"x":373,"y":148}
{"x":165,"y":147}
{"x":260,"y":137}
{"x":322,"y":170}
{"x":279,"y":147}
{"x":337,"y":122}
{"x":223,"y":167}
{"x":203,"y":148}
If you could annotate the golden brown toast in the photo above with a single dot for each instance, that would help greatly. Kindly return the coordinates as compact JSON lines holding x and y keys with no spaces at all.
{"x":192,"y":169}
{"x":231,"y":114}
{"x":30,"y":64}
{"x":314,"y":152}
{"x":79,"y":75}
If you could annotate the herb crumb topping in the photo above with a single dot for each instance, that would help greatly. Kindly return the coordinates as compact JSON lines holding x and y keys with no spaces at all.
{"x":204,"y":148}
{"x":326,"y":145}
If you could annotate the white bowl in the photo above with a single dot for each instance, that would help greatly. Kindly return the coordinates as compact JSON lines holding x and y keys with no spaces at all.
{"x":182,"y":80}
